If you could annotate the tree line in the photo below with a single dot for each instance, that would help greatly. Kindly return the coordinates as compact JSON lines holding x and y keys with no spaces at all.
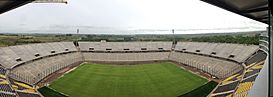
{"x":239,"y":39}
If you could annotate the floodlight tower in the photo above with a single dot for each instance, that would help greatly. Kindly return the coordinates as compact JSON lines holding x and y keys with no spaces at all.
{"x":78,"y":31}
{"x":174,"y":41}
{"x":173,"y":36}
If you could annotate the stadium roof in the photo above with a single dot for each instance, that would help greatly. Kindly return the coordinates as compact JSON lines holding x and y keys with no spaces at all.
{"x":254,"y":9}
{"x":6,"y":5}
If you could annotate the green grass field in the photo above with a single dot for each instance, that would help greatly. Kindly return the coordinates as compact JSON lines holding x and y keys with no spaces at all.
{"x":149,"y":80}
{"x":47,"y":92}
{"x":202,"y":91}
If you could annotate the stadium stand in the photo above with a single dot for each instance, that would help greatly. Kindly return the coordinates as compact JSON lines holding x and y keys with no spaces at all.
{"x":232,"y":78}
{"x":125,"y":51}
{"x":35,"y":61}
{"x":23,"y":94}
{"x":218,"y":68}
{"x":223,"y":95}
{"x":227,"y":87}
{"x":244,"y":81}
{"x":125,"y":46}
{"x":5,"y":88}
{"x":258,"y":57}
{"x":7,"y":95}
{"x":33,"y":72}
{"x":236,"y":52}
{"x":24,"y":66}
{"x":16,"y":55}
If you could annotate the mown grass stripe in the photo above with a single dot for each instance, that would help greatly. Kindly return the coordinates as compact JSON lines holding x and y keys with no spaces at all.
{"x":146,"y":80}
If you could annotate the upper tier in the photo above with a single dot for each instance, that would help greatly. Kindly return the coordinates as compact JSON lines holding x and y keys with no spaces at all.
{"x":125,"y":46}
{"x":236,"y":52}
{"x":15,"y":55}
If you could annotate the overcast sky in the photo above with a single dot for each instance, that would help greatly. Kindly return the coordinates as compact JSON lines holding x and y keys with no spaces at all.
{"x":124,"y":17}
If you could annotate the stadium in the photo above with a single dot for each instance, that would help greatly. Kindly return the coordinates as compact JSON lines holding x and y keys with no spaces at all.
{"x":26,"y":68}
{"x":138,"y":68}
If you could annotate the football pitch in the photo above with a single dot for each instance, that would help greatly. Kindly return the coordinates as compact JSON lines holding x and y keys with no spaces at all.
{"x":144,"y":80}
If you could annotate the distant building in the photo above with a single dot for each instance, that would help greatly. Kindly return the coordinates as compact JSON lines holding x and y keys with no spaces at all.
{"x":102,"y":40}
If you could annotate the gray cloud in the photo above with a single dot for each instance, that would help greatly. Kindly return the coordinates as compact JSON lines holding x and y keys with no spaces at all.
{"x":123,"y":17}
